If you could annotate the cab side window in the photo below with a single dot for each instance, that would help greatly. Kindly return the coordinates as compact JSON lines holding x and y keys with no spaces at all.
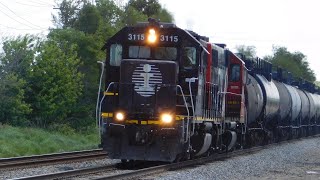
{"x":189,"y":55}
{"x":234,"y":75}
{"x":115,"y":54}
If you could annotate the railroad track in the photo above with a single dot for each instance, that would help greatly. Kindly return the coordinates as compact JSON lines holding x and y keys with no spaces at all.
{"x":28,"y":161}
{"x":134,"y":174}
{"x":71,"y":173}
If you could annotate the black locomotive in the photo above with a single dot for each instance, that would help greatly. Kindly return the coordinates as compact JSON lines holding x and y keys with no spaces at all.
{"x":170,"y":94}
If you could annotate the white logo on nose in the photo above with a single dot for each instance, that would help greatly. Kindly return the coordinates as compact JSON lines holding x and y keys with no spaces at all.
{"x":146,"y":77}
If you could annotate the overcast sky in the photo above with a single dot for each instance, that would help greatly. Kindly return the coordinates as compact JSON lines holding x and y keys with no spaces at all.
{"x":290,"y":23}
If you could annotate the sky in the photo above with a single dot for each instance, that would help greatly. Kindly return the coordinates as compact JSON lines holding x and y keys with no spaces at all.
{"x":290,"y":23}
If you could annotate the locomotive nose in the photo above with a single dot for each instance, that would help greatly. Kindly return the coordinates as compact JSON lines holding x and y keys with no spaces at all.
{"x":147,"y":87}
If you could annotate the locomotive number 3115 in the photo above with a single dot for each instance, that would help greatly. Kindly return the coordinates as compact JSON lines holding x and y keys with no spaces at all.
{"x":162,"y":38}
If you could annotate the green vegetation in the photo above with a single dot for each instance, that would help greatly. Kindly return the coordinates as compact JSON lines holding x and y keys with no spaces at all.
{"x":295,"y":62}
{"x":17,"y":141}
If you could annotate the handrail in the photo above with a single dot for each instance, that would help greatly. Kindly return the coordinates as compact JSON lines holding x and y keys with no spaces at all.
{"x":191,"y":98}
{"x":185,"y":102}
{"x":102,"y":99}
{"x":190,"y":92}
{"x":100,"y":84}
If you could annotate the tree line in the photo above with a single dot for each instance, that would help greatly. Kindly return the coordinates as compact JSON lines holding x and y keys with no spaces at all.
{"x":294,"y":62}
{"x":52,"y":82}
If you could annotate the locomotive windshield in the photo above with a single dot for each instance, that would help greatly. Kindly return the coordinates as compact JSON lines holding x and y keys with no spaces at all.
{"x":139,"y":52}
{"x":160,"y":53}
{"x":169,"y":53}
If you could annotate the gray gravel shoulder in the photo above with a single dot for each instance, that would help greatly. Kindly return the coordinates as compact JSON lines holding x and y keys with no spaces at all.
{"x":15,"y":173}
{"x":296,"y":160}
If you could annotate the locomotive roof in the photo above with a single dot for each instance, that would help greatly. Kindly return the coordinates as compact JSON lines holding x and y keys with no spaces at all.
{"x":169,"y":27}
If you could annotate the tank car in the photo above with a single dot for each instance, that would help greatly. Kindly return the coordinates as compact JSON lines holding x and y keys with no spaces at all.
{"x":279,"y":107}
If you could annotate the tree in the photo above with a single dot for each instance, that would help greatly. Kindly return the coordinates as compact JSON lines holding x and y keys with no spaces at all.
{"x":164,"y":15}
{"x":110,"y":13}
{"x":295,"y":62}
{"x":15,"y":66}
{"x":248,"y":51}
{"x":13,"y":108}
{"x":132,"y":16}
{"x":68,"y":13}
{"x":55,"y":84}
{"x":88,"y":52}
{"x":89,"y":19}
{"x":147,"y":7}
{"x":18,"y":55}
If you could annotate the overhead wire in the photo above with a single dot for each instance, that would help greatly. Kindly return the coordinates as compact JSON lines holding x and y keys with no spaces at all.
{"x":19,"y":16}
{"x":39,"y":2}
{"x":31,"y":5}
{"x":15,"y":19}
{"x":20,"y":29}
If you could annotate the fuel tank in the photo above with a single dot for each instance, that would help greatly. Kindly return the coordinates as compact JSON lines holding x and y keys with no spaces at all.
{"x":305,"y":106}
{"x":254,"y":100}
{"x":296,"y":103}
{"x":285,"y":102}
{"x":271,"y":98}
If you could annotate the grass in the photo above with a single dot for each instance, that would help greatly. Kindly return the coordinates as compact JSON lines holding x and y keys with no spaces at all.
{"x":17,"y":141}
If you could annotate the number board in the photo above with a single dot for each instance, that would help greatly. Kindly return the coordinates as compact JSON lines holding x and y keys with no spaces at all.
{"x":161,"y":37}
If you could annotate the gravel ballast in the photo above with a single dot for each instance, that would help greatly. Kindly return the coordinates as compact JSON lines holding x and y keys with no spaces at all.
{"x":296,"y":160}
{"x":45,"y":169}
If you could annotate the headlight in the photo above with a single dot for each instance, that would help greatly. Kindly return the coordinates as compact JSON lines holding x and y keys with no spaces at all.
{"x":152,"y":36}
{"x":119,"y":116}
{"x":166,"y":118}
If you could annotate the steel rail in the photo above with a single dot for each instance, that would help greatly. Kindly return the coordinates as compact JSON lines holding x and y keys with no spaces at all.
{"x":70,"y":173}
{"x":50,"y":158}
